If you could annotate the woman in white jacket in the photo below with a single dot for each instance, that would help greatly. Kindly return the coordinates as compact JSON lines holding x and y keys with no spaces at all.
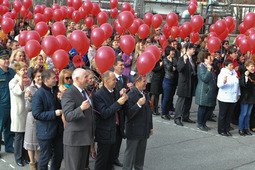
{"x":228,"y":94}
{"x":18,"y":112}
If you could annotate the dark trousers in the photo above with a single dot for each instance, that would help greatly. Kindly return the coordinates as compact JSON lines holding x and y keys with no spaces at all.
{"x":54,"y":146}
{"x":134,"y":154}
{"x":182,"y":108}
{"x":203,"y":115}
{"x":252,"y":118}
{"x":5,"y":123}
{"x":20,"y":153}
{"x":169,"y":87}
{"x":105,"y":154}
{"x":76,"y":157}
{"x":236,"y":113}
{"x":225,"y":112}
{"x":117,"y":143}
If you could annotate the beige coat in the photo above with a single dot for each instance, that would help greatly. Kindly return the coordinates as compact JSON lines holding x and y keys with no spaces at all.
{"x":18,"y":110}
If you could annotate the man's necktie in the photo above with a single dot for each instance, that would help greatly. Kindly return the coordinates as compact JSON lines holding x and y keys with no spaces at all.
{"x":121,"y":81}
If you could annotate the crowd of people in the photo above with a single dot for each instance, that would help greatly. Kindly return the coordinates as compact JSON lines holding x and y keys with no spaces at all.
{"x":48,"y":113}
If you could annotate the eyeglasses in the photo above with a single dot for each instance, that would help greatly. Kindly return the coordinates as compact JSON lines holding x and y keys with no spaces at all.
{"x":158,"y":30}
{"x":67,"y":78}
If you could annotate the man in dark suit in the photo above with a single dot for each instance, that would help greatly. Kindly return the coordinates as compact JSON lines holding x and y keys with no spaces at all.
{"x":122,"y":83}
{"x":46,"y":109}
{"x":107,"y":102}
{"x":187,"y":80}
{"x":138,"y":125}
{"x":79,"y":129}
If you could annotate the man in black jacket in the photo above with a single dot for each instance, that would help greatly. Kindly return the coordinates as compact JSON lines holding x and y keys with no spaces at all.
{"x":138,"y":125}
{"x":107,"y":102}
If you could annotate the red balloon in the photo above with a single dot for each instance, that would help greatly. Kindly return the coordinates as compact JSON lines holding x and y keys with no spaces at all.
{"x":76,"y":16}
{"x":242,"y":29}
{"x":58,"y":28}
{"x":157,"y":20}
{"x":14,"y":14}
{"x":127,"y":44}
{"x":251,"y":41}
{"x":114,"y":3}
{"x":69,"y":3}
{"x":89,"y":22}
{"x":87,"y":6}
{"x":213,"y":44}
{"x":97,"y":37}
{"x":114,"y":12}
{"x":60,"y":59}
{"x":96,"y":9}
{"x":27,"y":3}
{"x":144,"y":31}
{"x":220,"y":26}
{"x":118,"y":27}
{"x":139,"y":21}
{"x":108,"y":30}
{"x":17,"y":5}
{"x":125,"y":7}
{"x":171,"y":19}
{"x":249,"y":20}
{"x":211,"y":34}
{"x":7,"y":25}
{"x":39,"y":17}
{"x":29,"y":15}
{"x":7,"y":15}
{"x":41,"y":28}
{"x":239,"y":38}
{"x":145,"y":63}
{"x":43,"y":7}
{"x":244,"y":46}
{"x":126,"y":19}
{"x":24,"y":11}
{"x":57,"y":15}
{"x":102,"y":17}
{"x":64,"y":43}
{"x":70,"y":11}
{"x":22,"y":38}
{"x":230,"y":21}
{"x":154,"y":50}
{"x":82,"y":12}
{"x":162,"y":40}
{"x":212,"y":28}
{"x":196,"y":22}
{"x":6,"y":3}
{"x":105,"y":58}
{"x":193,"y":2}
{"x":192,"y":9}
{"x":78,"y":61}
{"x":133,"y":28}
{"x":182,"y":35}
{"x":77,"y":4}
{"x":175,"y":31}
{"x":50,"y":44}
{"x":133,"y":12}
{"x":79,"y":41}
{"x":186,"y":28}
{"x":94,"y":27}
{"x":1,"y":18}
{"x":55,"y":6}
{"x":64,"y":12}
{"x":194,"y":37}
{"x":33,"y":35}
{"x":32,"y":48}
{"x":147,"y":18}
{"x":250,"y":31}
{"x":37,"y":9}
{"x":224,"y":35}
{"x":48,"y":13}
{"x":232,"y":28}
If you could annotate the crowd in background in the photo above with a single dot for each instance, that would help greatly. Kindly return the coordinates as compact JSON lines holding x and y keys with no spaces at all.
{"x":38,"y":109}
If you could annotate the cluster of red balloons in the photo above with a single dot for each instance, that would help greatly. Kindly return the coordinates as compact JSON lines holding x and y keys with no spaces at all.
{"x":192,"y":8}
{"x":147,"y":60}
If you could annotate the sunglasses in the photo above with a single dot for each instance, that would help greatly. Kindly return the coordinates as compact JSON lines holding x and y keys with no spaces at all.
{"x":67,"y":78}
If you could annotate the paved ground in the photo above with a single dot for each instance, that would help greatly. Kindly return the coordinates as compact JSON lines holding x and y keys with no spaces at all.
{"x":185,"y":148}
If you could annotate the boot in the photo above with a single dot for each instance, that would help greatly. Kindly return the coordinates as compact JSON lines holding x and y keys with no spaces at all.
{"x":33,"y":166}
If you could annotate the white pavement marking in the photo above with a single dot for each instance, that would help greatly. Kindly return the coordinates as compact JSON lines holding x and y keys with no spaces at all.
{"x":3,"y":160}
{"x":12,"y":166}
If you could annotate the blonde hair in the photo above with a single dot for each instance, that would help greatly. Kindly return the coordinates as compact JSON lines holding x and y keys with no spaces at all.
{"x":15,"y":52}
{"x":33,"y":60}
{"x":62,"y":75}
{"x":18,"y":66}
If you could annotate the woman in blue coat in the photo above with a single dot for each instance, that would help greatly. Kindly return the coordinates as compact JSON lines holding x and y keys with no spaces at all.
{"x":206,"y":91}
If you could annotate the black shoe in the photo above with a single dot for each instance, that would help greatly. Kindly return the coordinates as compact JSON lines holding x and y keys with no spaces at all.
{"x":246,"y":131}
{"x":211,"y":119}
{"x":188,"y":120}
{"x":117,"y":162}
{"x":202,"y":128}
{"x":207,"y":127}
{"x":155,"y":113}
{"x":223,"y":134}
{"x":178,"y":122}
{"x":241,"y":132}
{"x":213,"y":115}
{"x":165,"y":117}
{"x":231,"y":128}
{"x":20,"y":164}
{"x":229,"y":134}
{"x":169,"y":116}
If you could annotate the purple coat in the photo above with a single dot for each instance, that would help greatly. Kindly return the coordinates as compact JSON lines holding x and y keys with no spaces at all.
{"x":127,"y":63}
